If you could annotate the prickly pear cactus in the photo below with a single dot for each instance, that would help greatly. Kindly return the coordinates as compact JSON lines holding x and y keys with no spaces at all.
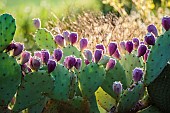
{"x":130,"y":97}
{"x":73,"y":85}
{"x":90,"y":78}
{"x":104,"y":99}
{"x":158,"y":58}
{"x":32,"y":89}
{"x":159,"y":91}
{"x":115,"y":74}
{"x":93,"y":105}
{"x":10,"y":78}
{"x":7,"y":30}
{"x":150,"y":109}
{"x":44,"y":39}
{"x":62,"y":83}
{"x":130,"y":62}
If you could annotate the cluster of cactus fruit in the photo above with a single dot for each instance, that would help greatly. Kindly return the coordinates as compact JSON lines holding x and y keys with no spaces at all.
{"x":128,"y":77}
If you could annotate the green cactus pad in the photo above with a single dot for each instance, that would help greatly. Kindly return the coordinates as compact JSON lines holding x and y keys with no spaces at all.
{"x":150,"y":109}
{"x":130,"y":97}
{"x":90,"y":78}
{"x":159,"y":90}
{"x":130,"y":62}
{"x":75,"y":105}
{"x":93,"y":104}
{"x":62,"y":83}
{"x":158,"y":58}
{"x":73,"y":85}
{"x":104,"y":60}
{"x":10,"y":78}
{"x":7,"y":30}
{"x":71,"y":50}
{"x":32,"y":89}
{"x":115,"y":74}
{"x":104,"y":99}
{"x":44,"y":39}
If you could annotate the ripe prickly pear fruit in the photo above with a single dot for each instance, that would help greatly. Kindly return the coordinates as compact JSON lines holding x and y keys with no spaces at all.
{"x":25,"y":56}
{"x":117,"y":54}
{"x":112,"y":48}
{"x":141,"y":50}
{"x":129,"y":46}
{"x":18,"y":49}
{"x":101,"y":46}
{"x":117,"y":87}
{"x":37,"y":54}
{"x":25,"y":68}
{"x":10,"y":47}
{"x":122,"y":45}
{"x":137,"y":74}
{"x":83,"y":43}
{"x":69,"y":62}
{"x":57,"y":54}
{"x":145,"y":56}
{"x":166,"y":22}
{"x":37,"y":23}
{"x":73,"y":37}
{"x":34,"y":63}
{"x":150,"y":39}
{"x":97,"y":55}
{"x":78,"y":63}
{"x":86,"y":61}
{"x":45,"y":56}
{"x":111,"y":64}
{"x":88,"y":54}
{"x":135,"y":43}
{"x":66,"y":35}
{"x":152,"y":29}
{"x":59,"y":39}
{"x":51,"y":64}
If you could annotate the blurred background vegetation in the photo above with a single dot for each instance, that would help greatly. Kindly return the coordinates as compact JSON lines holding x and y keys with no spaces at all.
{"x":99,"y":20}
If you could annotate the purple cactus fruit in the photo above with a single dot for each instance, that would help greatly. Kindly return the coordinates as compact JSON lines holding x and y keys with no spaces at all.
{"x":34,"y":63}
{"x":88,"y":54}
{"x":111,"y":64}
{"x":101,"y":46}
{"x":117,"y":54}
{"x":117,"y":88}
{"x":57,"y":54}
{"x":83,"y":43}
{"x":66,"y":35}
{"x":135,"y":43}
{"x":37,"y":54}
{"x":73,"y":37}
{"x":145,"y":56}
{"x":37,"y":23}
{"x":129,"y":46}
{"x":97,"y":55}
{"x":86,"y":61}
{"x":18,"y":49}
{"x":122,"y":45}
{"x":78,"y":63}
{"x":112,"y":48}
{"x":152,"y":29}
{"x":69,"y":62}
{"x":10,"y":47}
{"x":45,"y":55}
{"x":59,"y":39}
{"x":51,"y":64}
{"x":150,"y":39}
{"x":137,"y":74}
{"x":25,"y":56}
{"x":141,"y":50}
{"x":166,"y":22}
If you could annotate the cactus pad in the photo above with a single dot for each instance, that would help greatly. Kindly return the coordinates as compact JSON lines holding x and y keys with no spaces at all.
{"x":62,"y":83}
{"x":158,"y":58}
{"x":115,"y":74}
{"x":10,"y":78}
{"x":44,"y":39}
{"x":130,"y":62}
{"x":159,"y":91}
{"x":7,"y":30}
{"x":90,"y":78}
{"x":32,"y":89}
{"x":130,"y":97}
{"x":150,"y":109}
